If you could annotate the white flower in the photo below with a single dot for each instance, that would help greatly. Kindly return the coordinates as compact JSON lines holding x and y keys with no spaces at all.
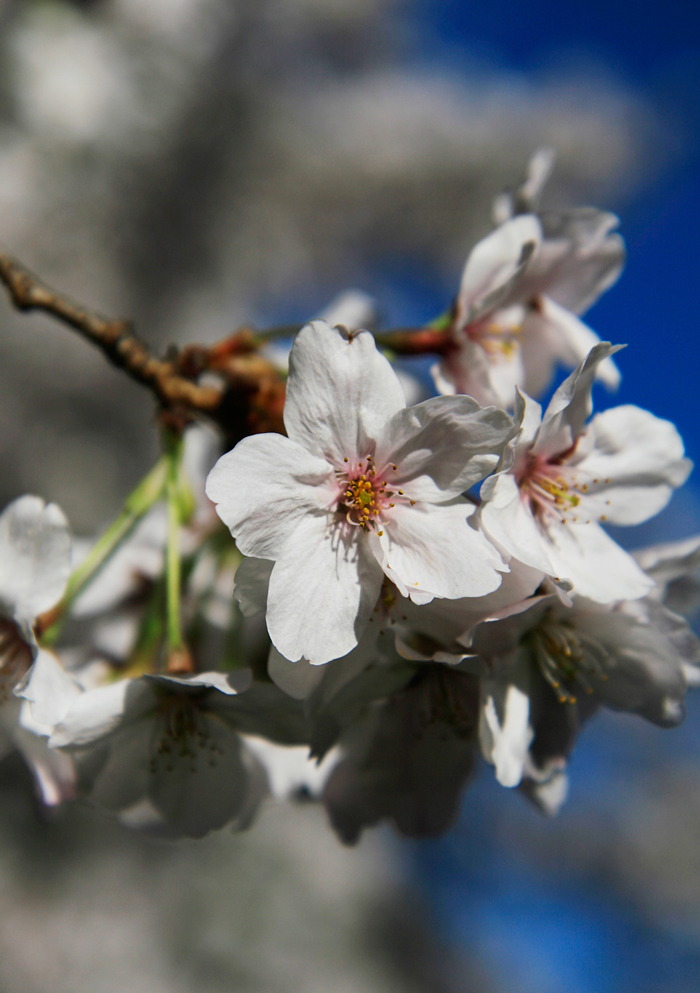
{"x":551,"y":666}
{"x":408,"y":758}
{"x":526,"y":198}
{"x":568,"y":476}
{"x":362,"y":487}
{"x":35,"y":551}
{"x":522,"y":289}
{"x":163,"y":751}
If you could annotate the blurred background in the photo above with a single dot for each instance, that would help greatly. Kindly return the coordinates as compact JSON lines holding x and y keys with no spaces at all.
{"x":196,"y":164}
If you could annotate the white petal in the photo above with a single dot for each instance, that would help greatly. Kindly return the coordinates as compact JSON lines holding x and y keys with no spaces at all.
{"x":297,"y":679}
{"x":594,"y":258}
{"x":34,"y":556}
{"x":539,"y":169}
{"x":508,"y":520}
{"x":250,"y":585}
{"x":116,"y":775}
{"x":432,"y":550}
{"x":506,"y":374}
{"x":54,"y":772}
{"x":575,"y":339}
{"x":465,"y":370}
{"x":528,"y":417}
{"x":637,"y":461}
{"x":201,"y":787}
{"x":290,"y":770}
{"x":670,"y":560}
{"x":264,"y":488}
{"x":340,"y":392}
{"x":443,"y":446}
{"x":97,"y":713}
{"x":494,"y":264}
{"x":447,"y":621}
{"x":597,"y":566}
{"x":571,"y":405}
{"x":50,"y":690}
{"x":322,"y":591}
{"x":504,"y":729}
{"x":228,"y":683}
{"x":547,"y":788}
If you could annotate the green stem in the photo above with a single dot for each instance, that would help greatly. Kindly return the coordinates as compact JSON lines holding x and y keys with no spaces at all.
{"x":173,"y":456}
{"x":137,"y":504}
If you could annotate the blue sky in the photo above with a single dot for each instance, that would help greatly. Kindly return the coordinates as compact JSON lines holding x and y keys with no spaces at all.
{"x":533,"y":929}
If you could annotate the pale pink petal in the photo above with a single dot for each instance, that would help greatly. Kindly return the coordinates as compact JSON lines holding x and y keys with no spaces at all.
{"x":494,"y":264}
{"x":632,"y":463}
{"x":596,"y":565}
{"x":265,"y":487}
{"x":570,"y":407}
{"x":573,"y":338}
{"x":435,"y":552}
{"x":509,"y":522}
{"x":443,"y":446}
{"x":339,"y":392}
{"x":465,"y":370}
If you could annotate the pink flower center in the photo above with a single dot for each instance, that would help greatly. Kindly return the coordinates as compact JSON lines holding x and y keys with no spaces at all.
{"x":552,"y":490}
{"x":499,"y":339}
{"x":366,"y":495}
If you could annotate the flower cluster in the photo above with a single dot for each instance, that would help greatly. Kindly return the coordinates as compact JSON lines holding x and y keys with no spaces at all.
{"x":395,"y":590}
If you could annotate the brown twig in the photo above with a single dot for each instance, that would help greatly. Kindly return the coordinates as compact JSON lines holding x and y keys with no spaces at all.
{"x":114,"y":337}
{"x":251,"y":397}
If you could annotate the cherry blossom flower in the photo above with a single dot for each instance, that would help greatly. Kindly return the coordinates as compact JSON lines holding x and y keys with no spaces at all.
{"x":361,"y":488}
{"x":568,"y":477}
{"x":551,"y":666}
{"x":408,"y":759}
{"x":165,"y":752}
{"x":35,"y":552}
{"x":522,"y":289}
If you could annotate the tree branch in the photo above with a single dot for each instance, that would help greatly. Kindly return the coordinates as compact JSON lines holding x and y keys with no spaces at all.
{"x":114,"y":337}
{"x":251,"y":397}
